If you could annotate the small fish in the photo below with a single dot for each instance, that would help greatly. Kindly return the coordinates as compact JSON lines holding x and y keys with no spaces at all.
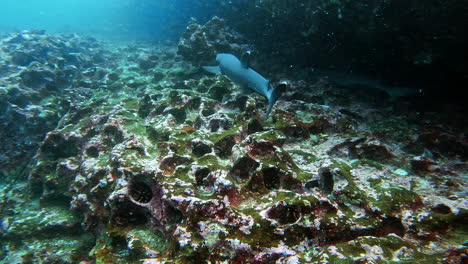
{"x":241,"y":74}
{"x":189,"y":129}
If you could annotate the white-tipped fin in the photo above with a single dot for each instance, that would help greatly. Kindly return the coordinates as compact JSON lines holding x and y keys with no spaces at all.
{"x":245,"y":59}
{"x":212,"y":69}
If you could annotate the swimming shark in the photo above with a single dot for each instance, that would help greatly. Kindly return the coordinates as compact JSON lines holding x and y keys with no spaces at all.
{"x":241,"y":74}
{"x":352,"y":80}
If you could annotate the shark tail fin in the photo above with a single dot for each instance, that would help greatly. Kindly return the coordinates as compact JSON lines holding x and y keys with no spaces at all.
{"x":274,"y":94}
{"x":212,"y":69}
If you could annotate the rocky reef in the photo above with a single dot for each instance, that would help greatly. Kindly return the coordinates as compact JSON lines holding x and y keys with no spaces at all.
{"x":200,"y":43}
{"x":41,"y":78}
{"x":159,"y":163}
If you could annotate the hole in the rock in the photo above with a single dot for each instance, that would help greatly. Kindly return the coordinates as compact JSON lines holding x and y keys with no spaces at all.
{"x":312,"y":184}
{"x":195,"y":103}
{"x":140,"y":192}
{"x":208,"y":111}
{"x":326,"y":181}
{"x":217,"y":92}
{"x":36,"y":183}
{"x":254,"y":126}
{"x":170,"y":163}
{"x":128,"y":213}
{"x":57,"y":146}
{"x":92,"y":151}
{"x":201,"y":174}
{"x":59,"y":200}
{"x":118,"y":243}
{"x":179,"y":114}
{"x":391,"y":225}
{"x":175,"y":215}
{"x":112,"y":135}
{"x":244,"y":167}
{"x":199,"y":149}
{"x":223,"y":148}
{"x":284,"y":214}
{"x":271,"y":178}
{"x":441,"y":209}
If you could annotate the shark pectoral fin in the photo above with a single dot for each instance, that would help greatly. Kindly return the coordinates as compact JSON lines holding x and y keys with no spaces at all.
{"x":274,"y":94}
{"x":212,"y":69}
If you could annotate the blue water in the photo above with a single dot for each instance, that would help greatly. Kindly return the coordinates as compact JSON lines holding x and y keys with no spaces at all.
{"x":138,"y":20}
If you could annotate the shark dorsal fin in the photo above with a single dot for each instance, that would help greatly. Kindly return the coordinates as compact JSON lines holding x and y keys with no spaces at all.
{"x":245,"y":59}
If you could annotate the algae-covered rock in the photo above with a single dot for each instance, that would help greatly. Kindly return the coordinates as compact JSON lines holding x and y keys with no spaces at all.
{"x":37,"y":82}
{"x":158,"y":165}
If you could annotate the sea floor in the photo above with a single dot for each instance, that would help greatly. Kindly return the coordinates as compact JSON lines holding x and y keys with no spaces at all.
{"x":126,"y":153}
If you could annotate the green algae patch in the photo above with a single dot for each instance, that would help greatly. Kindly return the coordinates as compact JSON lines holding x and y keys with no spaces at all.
{"x":214,"y":232}
{"x":344,"y":170}
{"x":131,"y":158}
{"x":213,"y":162}
{"x":157,"y":132}
{"x":65,"y":250}
{"x":388,"y":249}
{"x":391,"y":200}
{"x":135,"y":127}
{"x":287,"y":219}
{"x":78,"y":126}
{"x":218,"y":136}
{"x":40,"y":223}
{"x":302,"y":159}
{"x":304,"y":176}
{"x":129,"y":245}
{"x":280,"y":159}
{"x":260,"y":234}
{"x":369,"y":163}
{"x":441,"y":222}
{"x":181,"y":142}
{"x":183,"y":173}
{"x":375,"y":182}
{"x":351,"y":194}
{"x":147,"y":239}
{"x":270,"y":155}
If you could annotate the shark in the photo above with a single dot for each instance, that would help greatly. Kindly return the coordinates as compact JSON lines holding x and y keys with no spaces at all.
{"x":241,"y":74}
{"x":352,"y":81}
